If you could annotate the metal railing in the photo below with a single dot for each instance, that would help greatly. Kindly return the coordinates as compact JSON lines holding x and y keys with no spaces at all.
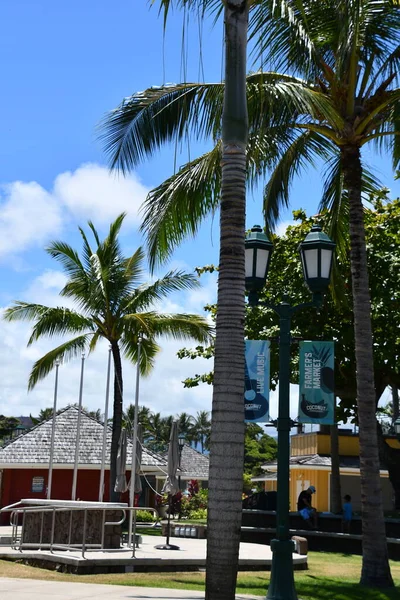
{"x":17,"y":535}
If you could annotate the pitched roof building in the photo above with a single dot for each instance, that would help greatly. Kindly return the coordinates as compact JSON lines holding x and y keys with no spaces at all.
{"x":32,"y":449}
{"x":24,"y":462}
{"x":193,"y":465}
{"x":310,"y":464}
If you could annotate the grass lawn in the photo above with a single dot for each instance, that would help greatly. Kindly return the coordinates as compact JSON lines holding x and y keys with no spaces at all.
{"x":329,"y":577}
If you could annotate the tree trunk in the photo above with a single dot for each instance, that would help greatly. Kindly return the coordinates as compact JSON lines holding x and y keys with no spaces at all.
{"x":375,"y":565}
{"x":336,"y":491}
{"x":227,"y":426}
{"x":117,"y":420}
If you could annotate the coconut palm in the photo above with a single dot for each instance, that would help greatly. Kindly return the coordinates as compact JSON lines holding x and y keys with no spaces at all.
{"x":224,"y":528}
{"x":202,"y":428}
{"x":185,"y":426}
{"x":144,"y":415}
{"x":337,"y":93}
{"x":111,"y":304}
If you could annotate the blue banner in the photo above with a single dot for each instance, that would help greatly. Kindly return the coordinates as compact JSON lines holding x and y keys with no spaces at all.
{"x":256,"y":382}
{"x":317,"y":386}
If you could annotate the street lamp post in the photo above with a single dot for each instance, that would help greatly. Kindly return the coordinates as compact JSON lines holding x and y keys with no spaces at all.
{"x":316,"y":253}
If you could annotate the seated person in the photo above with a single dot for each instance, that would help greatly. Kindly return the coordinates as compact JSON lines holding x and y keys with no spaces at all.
{"x":305,"y":508}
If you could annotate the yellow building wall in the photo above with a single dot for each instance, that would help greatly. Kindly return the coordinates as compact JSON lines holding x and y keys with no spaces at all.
{"x":304,"y":444}
{"x":315,"y":443}
{"x":270,"y":485}
{"x":301,"y":479}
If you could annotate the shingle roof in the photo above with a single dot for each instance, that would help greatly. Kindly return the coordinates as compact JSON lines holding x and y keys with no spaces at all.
{"x":34,"y":446}
{"x":194,"y":464}
{"x":319,"y":460}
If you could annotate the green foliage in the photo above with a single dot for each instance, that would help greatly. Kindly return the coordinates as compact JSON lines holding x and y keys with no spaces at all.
{"x":198,"y":515}
{"x":145,"y":516}
{"x":247,"y":484}
{"x":259,"y":448}
{"x":7,"y":425}
{"x":194,"y":506}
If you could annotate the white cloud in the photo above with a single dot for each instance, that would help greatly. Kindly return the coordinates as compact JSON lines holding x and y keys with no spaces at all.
{"x":93,"y":192}
{"x":30,"y":215}
{"x":282,"y":226}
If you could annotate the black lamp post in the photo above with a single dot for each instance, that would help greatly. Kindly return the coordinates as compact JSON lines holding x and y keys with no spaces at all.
{"x":316,"y":253}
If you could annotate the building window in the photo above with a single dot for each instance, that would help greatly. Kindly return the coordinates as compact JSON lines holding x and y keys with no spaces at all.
{"x":37,"y":485}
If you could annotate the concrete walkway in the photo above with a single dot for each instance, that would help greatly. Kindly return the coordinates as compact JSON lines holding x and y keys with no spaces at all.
{"x":32,"y":589}
{"x":190,"y":556}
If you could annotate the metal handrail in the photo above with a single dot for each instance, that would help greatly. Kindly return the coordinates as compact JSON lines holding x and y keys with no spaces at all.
{"x":17,"y":542}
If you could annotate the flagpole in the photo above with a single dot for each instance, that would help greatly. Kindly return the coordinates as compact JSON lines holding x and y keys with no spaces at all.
{"x":105,"y":430}
{"x":78,"y":432}
{"x":53,"y":433}
{"x":133,"y":465}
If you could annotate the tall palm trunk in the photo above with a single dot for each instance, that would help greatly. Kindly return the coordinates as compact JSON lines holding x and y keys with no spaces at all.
{"x":336,"y":490}
{"x":375,"y":566}
{"x":227,"y":425}
{"x":117,"y":419}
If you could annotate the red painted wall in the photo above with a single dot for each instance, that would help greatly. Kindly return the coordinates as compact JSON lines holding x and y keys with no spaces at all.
{"x":17,"y":484}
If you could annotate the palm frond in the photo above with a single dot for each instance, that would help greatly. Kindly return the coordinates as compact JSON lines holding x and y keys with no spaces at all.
{"x":176,"y":208}
{"x":288,"y":34}
{"x":182,"y":326}
{"x":149,"y":350}
{"x":300,"y":153}
{"x":148,"y":119}
{"x":49,"y":321}
{"x":62,"y":353}
{"x":176,"y":326}
{"x":147,"y":295}
{"x":68,"y":257}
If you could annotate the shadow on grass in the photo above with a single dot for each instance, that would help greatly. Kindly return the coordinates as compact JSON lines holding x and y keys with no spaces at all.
{"x":317,"y":588}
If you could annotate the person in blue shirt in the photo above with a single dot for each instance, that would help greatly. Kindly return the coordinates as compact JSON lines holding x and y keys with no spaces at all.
{"x":347,"y":514}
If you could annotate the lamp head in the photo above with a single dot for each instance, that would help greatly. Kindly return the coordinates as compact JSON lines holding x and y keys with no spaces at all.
{"x":258,"y":250}
{"x":181,"y":441}
{"x":316,"y":253}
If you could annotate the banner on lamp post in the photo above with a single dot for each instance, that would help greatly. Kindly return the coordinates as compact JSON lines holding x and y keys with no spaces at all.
{"x":317,"y":396}
{"x":256,"y":383}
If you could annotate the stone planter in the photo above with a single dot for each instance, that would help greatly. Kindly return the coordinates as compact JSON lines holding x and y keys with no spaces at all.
{"x":69,"y":528}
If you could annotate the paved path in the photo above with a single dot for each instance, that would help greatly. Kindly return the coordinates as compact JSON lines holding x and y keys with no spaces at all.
{"x":32,"y":589}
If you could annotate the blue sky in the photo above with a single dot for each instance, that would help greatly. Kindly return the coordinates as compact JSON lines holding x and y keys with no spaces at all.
{"x":63,"y":66}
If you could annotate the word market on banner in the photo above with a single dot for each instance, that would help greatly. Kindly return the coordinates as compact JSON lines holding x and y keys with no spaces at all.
{"x":256,"y":382}
{"x":317,"y":396}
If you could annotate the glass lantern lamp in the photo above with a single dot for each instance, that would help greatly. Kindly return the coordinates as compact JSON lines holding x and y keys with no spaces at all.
{"x":316,"y":253}
{"x":258,"y":250}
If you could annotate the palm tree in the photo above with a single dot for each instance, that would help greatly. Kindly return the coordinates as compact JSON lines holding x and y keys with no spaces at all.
{"x":227,"y":414}
{"x":111,"y":305}
{"x":144,"y":415}
{"x":185,"y":426}
{"x":201,"y":429}
{"x":337,"y":93}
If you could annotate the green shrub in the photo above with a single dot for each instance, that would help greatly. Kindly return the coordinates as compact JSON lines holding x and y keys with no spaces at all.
{"x":145,"y":516}
{"x":200,"y":513}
